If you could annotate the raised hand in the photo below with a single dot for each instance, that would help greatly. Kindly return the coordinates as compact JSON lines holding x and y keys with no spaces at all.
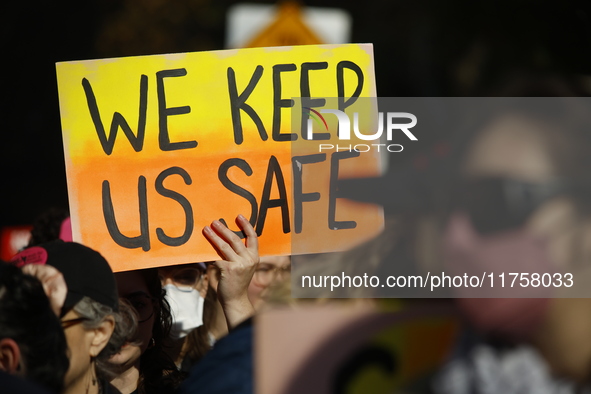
{"x":239,"y":261}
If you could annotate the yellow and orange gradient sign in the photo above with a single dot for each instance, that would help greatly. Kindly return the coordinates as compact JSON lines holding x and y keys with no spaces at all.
{"x":157,"y":147}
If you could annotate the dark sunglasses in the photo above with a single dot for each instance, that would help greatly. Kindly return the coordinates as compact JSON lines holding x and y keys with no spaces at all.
{"x":498,"y":204}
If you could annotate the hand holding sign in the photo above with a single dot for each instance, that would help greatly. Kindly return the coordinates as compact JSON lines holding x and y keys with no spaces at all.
{"x":237,"y":267}
{"x":149,"y":139}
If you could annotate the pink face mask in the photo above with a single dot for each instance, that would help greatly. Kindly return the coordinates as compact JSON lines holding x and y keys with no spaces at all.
{"x":513,"y":316}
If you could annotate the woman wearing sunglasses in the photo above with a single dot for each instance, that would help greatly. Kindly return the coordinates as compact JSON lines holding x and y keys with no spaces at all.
{"x":144,"y":367}
{"x":186,"y":288}
{"x":522,"y":204}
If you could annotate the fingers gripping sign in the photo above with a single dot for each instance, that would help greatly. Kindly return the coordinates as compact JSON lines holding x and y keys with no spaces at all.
{"x":237,"y":266}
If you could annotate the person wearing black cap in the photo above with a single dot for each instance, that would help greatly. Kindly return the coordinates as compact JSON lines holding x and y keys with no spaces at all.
{"x":94,"y":326}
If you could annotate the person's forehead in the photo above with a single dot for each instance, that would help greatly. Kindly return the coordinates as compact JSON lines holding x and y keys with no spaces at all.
{"x":510,"y":146}
{"x":171,"y":270}
{"x":130,"y":282}
{"x":279,"y":261}
{"x":71,"y":314}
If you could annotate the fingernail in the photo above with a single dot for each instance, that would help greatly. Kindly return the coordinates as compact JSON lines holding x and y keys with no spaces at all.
{"x":207,"y":230}
{"x":241,"y":217}
{"x":217,"y":224}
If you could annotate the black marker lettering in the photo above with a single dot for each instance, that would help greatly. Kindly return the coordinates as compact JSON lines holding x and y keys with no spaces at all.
{"x":273,"y":171}
{"x":334,"y":224}
{"x":279,"y":103}
{"x":234,"y":188}
{"x":309,"y":102}
{"x":344,"y":103}
{"x":107,"y":143}
{"x":238,"y":102}
{"x":140,"y":241}
{"x":299,"y":197}
{"x":182,"y":200}
{"x":164,"y":113}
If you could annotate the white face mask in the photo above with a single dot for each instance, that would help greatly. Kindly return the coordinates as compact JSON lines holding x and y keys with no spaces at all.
{"x":186,"y":307}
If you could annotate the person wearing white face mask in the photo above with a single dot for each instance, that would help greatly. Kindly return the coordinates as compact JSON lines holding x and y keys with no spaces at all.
{"x":186,"y":286}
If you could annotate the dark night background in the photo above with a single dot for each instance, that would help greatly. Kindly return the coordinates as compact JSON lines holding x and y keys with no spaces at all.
{"x":422,"y":48}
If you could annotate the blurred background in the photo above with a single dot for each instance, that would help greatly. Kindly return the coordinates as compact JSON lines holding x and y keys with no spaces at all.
{"x":421,"y":48}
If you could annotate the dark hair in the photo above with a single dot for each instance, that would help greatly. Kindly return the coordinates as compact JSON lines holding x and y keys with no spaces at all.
{"x":158,"y":374}
{"x":125,"y":328}
{"x":198,"y":341}
{"x":47,"y":226}
{"x":27,"y":318}
{"x":559,"y":103}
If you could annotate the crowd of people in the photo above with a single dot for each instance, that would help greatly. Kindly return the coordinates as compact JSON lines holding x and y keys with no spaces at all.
{"x":71,"y":325}
{"x":68,"y":324}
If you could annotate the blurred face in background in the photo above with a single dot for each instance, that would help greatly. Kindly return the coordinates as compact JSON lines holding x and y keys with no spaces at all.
{"x":518,"y":148}
{"x":271,"y":271}
{"x":133,"y":288}
{"x":510,"y":189}
{"x":520,"y":220}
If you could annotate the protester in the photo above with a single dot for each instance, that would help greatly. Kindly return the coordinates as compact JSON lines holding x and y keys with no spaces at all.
{"x":94,"y":327}
{"x":32,"y":343}
{"x":193,"y":287}
{"x":142,"y":365}
{"x":523,"y":345}
{"x":228,"y":367}
{"x":272,"y":272}
{"x":186,"y":286}
{"x":200,"y":341}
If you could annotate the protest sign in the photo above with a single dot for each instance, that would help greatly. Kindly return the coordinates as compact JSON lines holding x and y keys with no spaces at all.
{"x":156,"y":147}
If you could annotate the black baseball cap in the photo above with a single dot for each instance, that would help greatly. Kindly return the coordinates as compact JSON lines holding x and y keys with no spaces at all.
{"x":85,"y":271}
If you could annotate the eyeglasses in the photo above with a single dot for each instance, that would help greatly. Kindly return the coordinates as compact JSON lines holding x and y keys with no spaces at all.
{"x":265,"y":274}
{"x":185,"y":278}
{"x":143,"y":304}
{"x":73,"y":322}
{"x":496,"y":204}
